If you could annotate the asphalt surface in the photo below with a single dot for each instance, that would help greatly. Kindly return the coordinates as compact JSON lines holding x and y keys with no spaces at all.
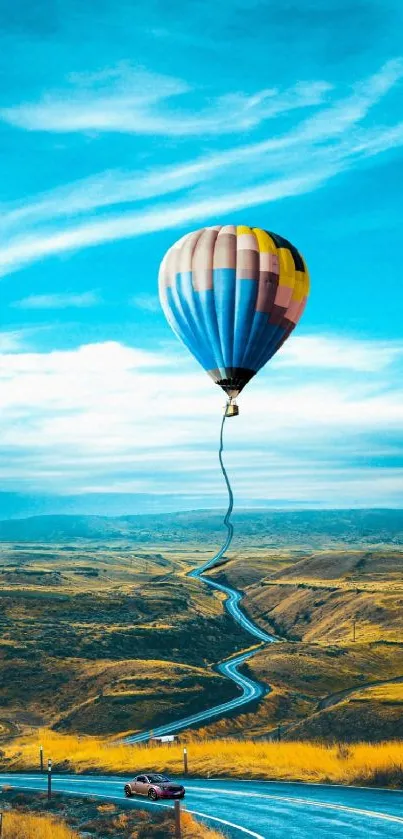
{"x":258,"y":809}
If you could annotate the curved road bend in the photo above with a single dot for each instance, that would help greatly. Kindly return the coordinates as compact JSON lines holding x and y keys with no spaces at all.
{"x":250,"y":689}
{"x":259,"y":809}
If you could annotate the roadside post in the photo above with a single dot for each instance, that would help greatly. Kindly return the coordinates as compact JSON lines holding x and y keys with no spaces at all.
{"x":185,"y":760}
{"x":41,"y":758}
{"x":49,"y":779}
{"x":178,"y":830}
{"x":1,"y":824}
{"x":279,"y":733}
{"x":354,"y":631}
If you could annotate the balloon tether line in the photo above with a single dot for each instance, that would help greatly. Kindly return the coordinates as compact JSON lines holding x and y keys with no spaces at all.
{"x":227,"y":517}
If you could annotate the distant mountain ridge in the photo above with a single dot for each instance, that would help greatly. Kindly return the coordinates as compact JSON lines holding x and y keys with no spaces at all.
{"x":258,"y":527}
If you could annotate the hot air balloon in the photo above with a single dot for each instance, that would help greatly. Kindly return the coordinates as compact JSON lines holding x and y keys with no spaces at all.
{"x":233,"y":295}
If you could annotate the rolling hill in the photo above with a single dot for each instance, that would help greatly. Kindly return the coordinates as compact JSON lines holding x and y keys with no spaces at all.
{"x":310,"y":528}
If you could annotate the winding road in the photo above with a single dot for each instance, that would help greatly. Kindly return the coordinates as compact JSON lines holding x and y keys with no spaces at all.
{"x":250,"y":690}
{"x":258,"y":809}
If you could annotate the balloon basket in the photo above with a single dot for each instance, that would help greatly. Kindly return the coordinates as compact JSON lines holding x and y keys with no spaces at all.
{"x":231,"y":409}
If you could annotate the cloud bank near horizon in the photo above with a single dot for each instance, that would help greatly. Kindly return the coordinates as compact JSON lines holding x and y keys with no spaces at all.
{"x":102,"y":419}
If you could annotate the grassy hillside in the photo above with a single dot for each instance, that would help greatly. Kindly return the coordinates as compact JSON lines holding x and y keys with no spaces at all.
{"x":97,"y":640}
{"x":320,"y":601}
{"x":307,"y":680}
{"x":317,"y":597}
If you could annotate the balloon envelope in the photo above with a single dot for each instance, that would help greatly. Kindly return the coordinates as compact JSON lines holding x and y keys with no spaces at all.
{"x":233,"y":295}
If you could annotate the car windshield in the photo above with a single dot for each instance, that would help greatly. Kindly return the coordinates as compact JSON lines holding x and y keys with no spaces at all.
{"x":157,"y":779}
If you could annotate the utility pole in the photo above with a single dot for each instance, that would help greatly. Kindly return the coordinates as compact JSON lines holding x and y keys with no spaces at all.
{"x":41,"y":758}
{"x":185,"y":760}
{"x":49,"y":779}
{"x":178,"y":830}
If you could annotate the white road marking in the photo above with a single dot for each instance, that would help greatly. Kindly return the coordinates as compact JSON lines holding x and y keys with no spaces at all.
{"x":303,"y":784}
{"x":374,"y":814}
{"x":193,"y":812}
{"x":227,"y":824}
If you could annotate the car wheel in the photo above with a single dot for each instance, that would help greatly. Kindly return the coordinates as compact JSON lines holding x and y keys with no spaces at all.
{"x":182,"y":795}
{"x":152,"y":794}
{"x":128,"y":791}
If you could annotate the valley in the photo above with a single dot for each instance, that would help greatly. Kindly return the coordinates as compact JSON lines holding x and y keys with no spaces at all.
{"x":95,"y":635}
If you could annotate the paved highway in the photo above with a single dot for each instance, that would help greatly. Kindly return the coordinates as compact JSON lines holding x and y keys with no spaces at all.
{"x":249,"y":689}
{"x":259,"y":809}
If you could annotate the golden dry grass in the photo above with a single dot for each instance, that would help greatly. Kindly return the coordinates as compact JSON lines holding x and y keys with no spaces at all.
{"x":192,"y":829}
{"x":25,"y":826}
{"x":361,"y":763}
{"x":392,"y":693}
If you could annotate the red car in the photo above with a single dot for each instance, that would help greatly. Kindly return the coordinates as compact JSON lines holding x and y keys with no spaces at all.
{"x":155,"y":787}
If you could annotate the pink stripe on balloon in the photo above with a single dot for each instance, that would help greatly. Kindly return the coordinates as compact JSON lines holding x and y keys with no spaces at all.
{"x":269,"y":262}
{"x":186,"y":251}
{"x":246,"y":241}
{"x":268,"y":283}
{"x":227,"y":228}
{"x":295,"y":310}
{"x":283,"y":296}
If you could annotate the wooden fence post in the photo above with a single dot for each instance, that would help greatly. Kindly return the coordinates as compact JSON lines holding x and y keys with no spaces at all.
{"x":178,"y":830}
{"x":49,"y":779}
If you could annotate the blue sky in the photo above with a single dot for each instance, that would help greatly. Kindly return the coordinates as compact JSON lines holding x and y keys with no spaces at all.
{"x":123,"y":126}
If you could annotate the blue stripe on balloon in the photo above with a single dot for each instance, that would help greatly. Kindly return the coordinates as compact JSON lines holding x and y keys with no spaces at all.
{"x":245,"y":304}
{"x":269,"y":346}
{"x":191,"y":307}
{"x":224,"y":280}
{"x":178,"y":322}
{"x":209,"y":320}
{"x":257,"y":338}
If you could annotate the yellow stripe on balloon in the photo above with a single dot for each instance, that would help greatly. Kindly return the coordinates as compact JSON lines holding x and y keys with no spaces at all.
{"x":242,"y":229}
{"x":299,"y":290}
{"x":307,"y":282}
{"x":287,"y":268}
{"x":265,"y":242}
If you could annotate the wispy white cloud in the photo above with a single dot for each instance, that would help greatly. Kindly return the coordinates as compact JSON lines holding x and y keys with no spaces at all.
{"x":59,"y":301}
{"x":103,"y":417}
{"x":334,"y":139}
{"x":24,"y":250}
{"x":128,"y":100}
